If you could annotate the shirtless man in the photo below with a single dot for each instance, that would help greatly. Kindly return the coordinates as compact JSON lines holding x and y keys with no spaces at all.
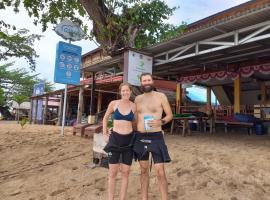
{"x":149,"y":139}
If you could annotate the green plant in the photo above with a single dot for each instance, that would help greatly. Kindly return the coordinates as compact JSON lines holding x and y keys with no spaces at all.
{"x":110,"y":122}
{"x":23,"y":122}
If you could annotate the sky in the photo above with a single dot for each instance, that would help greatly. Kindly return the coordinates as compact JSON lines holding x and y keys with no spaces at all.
{"x":189,"y":11}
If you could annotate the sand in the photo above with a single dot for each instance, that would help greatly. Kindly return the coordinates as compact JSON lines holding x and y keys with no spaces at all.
{"x":37,"y":164}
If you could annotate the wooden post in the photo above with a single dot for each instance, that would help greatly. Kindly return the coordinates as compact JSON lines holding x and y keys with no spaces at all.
{"x":178,"y":97}
{"x":67,"y":107}
{"x":263,"y":93}
{"x":80,"y":106}
{"x":92,"y":94}
{"x":60,"y":110}
{"x":30,"y":112}
{"x":99,"y":103}
{"x":45,"y":110}
{"x":36,"y":108}
{"x":209,"y":110}
{"x":91,"y":118}
{"x":237,"y":91}
{"x":209,"y":107}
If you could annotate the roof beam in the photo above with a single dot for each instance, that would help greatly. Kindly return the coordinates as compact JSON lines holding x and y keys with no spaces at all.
{"x":182,"y":53}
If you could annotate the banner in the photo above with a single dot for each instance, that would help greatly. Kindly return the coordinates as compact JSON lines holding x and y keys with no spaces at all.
{"x":38,"y":104}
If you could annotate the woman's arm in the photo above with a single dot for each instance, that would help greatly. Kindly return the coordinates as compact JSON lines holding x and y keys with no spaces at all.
{"x":134,"y":122}
{"x":109,"y":111}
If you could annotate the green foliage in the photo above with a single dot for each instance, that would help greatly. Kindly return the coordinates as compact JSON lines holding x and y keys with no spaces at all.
{"x":23,"y":122}
{"x":18,"y":82}
{"x":2,"y":97}
{"x":19,"y":44}
{"x":110,"y":123}
{"x":115,"y":23}
{"x":20,"y":99}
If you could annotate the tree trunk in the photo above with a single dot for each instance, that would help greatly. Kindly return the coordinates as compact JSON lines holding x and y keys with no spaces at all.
{"x":18,"y":114}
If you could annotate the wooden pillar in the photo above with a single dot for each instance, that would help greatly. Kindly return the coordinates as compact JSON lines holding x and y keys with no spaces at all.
{"x":30,"y":112}
{"x":99,"y":103}
{"x":209,"y":107}
{"x":237,"y":92}
{"x":36,"y":108}
{"x":91,"y":118}
{"x":67,"y":107}
{"x":263,"y":93}
{"x":80,"y":106}
{"x":178,"y":98}
{"x":92,"y":94}
{"x":45,"y":110}
{"x":60,"y":110}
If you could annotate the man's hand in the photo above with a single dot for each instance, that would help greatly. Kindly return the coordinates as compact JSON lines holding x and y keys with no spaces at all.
{"x":156,"y":123}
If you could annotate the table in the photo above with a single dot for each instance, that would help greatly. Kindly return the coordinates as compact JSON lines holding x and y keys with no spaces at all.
{"x":185,"y":125}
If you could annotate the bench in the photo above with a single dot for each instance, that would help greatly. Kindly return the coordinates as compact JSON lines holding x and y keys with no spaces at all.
{"x":80,"y":128}
{"x":226,"y":124}
{"x":91,"y":130}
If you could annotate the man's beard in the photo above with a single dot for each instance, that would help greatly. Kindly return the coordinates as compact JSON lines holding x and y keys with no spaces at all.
{"x":147,"y":88}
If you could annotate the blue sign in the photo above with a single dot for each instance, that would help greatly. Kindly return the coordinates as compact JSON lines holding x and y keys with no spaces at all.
{"x":67,"y":64}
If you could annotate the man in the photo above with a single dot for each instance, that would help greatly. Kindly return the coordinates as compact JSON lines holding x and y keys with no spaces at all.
{"x":150,"y":106}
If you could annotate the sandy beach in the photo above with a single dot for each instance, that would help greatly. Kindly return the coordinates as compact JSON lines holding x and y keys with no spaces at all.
{"x":36,"y":163}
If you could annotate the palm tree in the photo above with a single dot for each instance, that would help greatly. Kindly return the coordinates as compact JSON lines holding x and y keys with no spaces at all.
{"x":19,"y":99}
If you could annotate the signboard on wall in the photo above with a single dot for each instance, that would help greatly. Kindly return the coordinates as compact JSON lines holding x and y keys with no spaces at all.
{"x":67,"y":64}
{"x":134,"y":65}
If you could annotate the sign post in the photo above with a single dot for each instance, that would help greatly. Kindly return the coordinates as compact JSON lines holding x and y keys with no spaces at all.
{"x":68,"y":59}
{"x":67,"y":69}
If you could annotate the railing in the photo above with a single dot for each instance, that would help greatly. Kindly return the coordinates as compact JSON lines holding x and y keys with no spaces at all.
{"x":221,"y":111}
{"x":100,"y":115}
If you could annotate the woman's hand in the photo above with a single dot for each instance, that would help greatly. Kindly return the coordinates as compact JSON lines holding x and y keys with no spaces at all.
{"x":107,"y":134}
{"x":106,"y":138}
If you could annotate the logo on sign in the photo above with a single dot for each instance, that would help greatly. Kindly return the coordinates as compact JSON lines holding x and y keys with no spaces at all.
{"x":69,"y":31}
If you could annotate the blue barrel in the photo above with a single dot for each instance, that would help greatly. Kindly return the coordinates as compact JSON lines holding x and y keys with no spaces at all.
{"x":259,"y":129}
{"x":193,"y":126}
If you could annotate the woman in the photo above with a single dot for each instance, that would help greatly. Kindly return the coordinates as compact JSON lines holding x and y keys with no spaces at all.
{"x":120,"y":140}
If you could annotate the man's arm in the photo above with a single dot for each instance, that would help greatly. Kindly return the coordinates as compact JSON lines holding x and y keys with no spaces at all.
{"x":135,"y":121}
{"x":167,"y":109}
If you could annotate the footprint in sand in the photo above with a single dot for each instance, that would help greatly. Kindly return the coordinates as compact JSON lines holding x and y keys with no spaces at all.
{"x":61,"y":154}
{"x":232,"y":185}
{"x":184,"y":171}
{"x":15,"y":193}
{"x":53,"y":149}
{"x":173,"y":195}
{"x":57,"y":192}
{"x":202,"y":185}
{"x":201,"y":170}
{"x":100,"y":183}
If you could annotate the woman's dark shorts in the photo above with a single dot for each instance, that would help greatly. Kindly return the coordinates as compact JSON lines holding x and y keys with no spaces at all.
{"x":119,"y":148}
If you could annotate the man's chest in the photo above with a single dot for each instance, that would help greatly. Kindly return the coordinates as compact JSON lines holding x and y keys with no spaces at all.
{"x":149,"y":106}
